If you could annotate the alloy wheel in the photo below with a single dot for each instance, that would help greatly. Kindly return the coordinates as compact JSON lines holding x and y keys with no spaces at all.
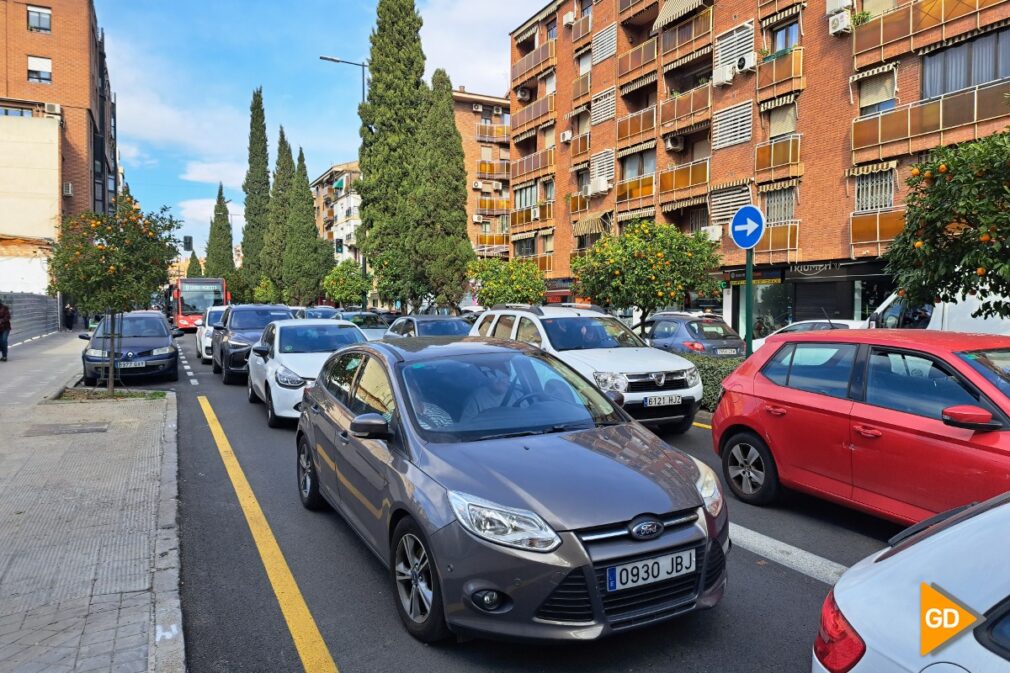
{"x":305,"y":472}
{"x":413,"y":578}
{"x":746,"y":468}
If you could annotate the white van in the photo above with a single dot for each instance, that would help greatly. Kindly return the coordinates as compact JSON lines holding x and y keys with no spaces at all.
{"x":894,"y":312}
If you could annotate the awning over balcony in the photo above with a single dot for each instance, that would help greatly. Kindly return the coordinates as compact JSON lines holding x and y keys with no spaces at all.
{"x":528,"y":33}
{"x":778,"y":102}
{"x":637,"y":214}
{"x":887,"y":67}
{"x":640,"y":147}
{"x":639,"y":83}
{"x":963,"y":37}
{"x":871,"y":168}
{"x":577,"y":111}
{"x":523,"y":236}
{"x":534,"y":21}
{"x":776,"y":186}
{"x":731,"y":183}
{"x":547,"y":124}
{"x":524,"y":183}
{"x":546,"y":73}
{"x":687,"y":59}
{"x":688,"y":130}
{"x":673,"y":10}
{"x":525,"y":135}
{"x":590,"y":224}
{"x":581,"y":166}
{"x":684,"y":203}
{"x":784,"y":14}
{"x":546,"y":232}
{"x":584,"y":49}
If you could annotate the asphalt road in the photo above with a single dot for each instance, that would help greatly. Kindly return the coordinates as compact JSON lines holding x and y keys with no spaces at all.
{"x":233,"y":622}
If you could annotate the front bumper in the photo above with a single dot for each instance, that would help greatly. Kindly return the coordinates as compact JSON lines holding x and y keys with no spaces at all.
{"x":285,"y":400}
{"x":153,"y":366}
{"x":562,"y":595}
{"x":238,"y":360}
{"x":634,"y":404}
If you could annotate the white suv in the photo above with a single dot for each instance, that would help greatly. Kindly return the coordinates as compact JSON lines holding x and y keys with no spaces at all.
{"x":659,"y":388}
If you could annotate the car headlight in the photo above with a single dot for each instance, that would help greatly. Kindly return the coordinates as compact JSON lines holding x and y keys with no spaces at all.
{"x":96,"y":353}
{"x":709,"y":488}
{"x":611,"y":381}
{"x":166,"y":350}
{"x":518,"y":528}
{"x":693,"y":377}
{"x":288,"y":378}
{"x":239,"y":341}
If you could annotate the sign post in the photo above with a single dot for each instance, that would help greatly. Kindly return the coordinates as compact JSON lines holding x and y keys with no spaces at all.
{"x":747,"y":229}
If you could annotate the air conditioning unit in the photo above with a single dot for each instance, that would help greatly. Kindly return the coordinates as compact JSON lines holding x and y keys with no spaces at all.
{"x":840,"y":24}
{"x":477,"y":184}
{"x":53,"y":109}
{"x":723,"y":75}
{"x":523,"y":94}
{"x":835,"y":6}
{"x":748,"y":62}
{"x":599,"y":185}
{"x":675,"y":143}
{"x":535,"y":214}
{"x":498,"y":110}
{"x":566,"y":136}
{"x":477,"y":107}
{"x":68,"y":189}
{"x":569,"y":19}
{"x":478,"y":219}
{"x":584,"y":190}
{"x":714,"y":232}
{"x":496,"y":186}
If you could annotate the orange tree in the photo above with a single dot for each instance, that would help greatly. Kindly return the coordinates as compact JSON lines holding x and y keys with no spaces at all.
{"x":516,"y":281}
{"x":648,"y":266}
{"x":957,"y":227}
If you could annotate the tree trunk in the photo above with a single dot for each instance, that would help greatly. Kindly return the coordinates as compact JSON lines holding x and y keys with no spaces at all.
{"x":111,"y":334}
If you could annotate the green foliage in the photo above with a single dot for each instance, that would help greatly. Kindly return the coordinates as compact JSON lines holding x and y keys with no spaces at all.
{"x":307,"y":257}
{"x":257,"y":191}
{"x":516,"y":281}
{"x":113,"y":261}
{"x":345,"y":285}
{"x":647,"y":266}
{"x":713,"y":372}
{"x":220,"y":254}
{"x":272,"y":253}
{"x":195,"y":269}
{"x":859,"y":18}
{"x":266,"y":292}
{"x":957,"y":227}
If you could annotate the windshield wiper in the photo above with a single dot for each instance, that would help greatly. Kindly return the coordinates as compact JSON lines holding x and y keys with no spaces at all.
{"x":518,"y":433}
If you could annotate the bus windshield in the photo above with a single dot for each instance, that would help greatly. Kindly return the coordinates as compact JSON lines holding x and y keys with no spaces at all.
{"x":195,"y":298}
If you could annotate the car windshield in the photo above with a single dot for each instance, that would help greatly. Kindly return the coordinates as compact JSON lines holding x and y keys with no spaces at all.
{"x":257,"y":318}
{"x":135,"y":326}
{"x":583,"y":333}
{"x":366,"y":320}
{"x":317,"y":338}
{"x":448,"y":327}
{"x":994,"y":365}
{"x":214,"y":317}
{"x":322,"y":312}
{"x":475,"y":397}
{"x":715,"y":330}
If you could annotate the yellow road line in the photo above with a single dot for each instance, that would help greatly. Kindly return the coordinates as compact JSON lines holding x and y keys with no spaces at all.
{"x":703,"y":426}
{"x":312,"y":650}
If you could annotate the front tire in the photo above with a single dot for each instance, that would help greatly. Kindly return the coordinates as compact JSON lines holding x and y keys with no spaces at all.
{"x":273,"y":420}
{"x":251,"y":392}
{"x":749,"y":469}
{"x":215,"y":367}
{"x":308,"y":483}
{"x":417,"y":589}
{"x":228,"y":377}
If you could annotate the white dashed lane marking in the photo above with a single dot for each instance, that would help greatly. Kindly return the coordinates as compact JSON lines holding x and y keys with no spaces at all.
{"x":787,"y":555}
{"x":194,"y":382}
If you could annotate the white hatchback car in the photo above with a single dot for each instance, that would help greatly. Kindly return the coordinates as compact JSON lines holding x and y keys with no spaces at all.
{"x":658,"y":388}
{"x":205,"y":332}
{"x":288,"y":356}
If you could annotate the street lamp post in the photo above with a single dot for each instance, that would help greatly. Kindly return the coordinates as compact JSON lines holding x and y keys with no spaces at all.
{"x":364,"y":75}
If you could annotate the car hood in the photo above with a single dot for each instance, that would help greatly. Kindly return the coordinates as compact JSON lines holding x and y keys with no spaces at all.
{"x":306,"y":365}
{"x":250,"y":335}
{"x":573,"y":480}
{"x":625,"y":360}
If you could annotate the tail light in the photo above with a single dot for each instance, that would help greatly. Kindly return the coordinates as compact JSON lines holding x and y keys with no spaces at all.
{"x":838,"y":647}
{"x":694,"y":346}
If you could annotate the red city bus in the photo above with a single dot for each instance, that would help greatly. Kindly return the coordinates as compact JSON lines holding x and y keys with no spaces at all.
{"x":191,"y":297}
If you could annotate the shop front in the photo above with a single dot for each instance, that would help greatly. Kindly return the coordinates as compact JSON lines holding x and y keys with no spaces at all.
{"x":559,"y":290}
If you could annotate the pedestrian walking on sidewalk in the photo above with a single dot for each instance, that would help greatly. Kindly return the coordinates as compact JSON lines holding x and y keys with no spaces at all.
{"x":5,"y":330}
{"x":69,"y":317}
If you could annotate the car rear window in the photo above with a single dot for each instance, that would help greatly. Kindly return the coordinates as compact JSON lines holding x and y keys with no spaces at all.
{"x":995,"y":632}
{"x":819,"y":368}
{"x":447,"y":327}
{"x":714,"y":330}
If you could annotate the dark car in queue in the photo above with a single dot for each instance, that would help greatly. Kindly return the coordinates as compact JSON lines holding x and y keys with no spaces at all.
{"x":428,"y":326}
{"x":686,"y":333}
{"x":474,"y":470}
{"x":143,"y":346}
{"x":241,"y":326}
{"x":318,"y":313}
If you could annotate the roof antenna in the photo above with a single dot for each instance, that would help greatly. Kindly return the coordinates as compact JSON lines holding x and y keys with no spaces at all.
{"x":830,"y":324}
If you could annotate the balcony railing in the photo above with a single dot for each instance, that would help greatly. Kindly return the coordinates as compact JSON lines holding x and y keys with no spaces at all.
{"x":582,"y":27}
{"x":534,"y":111}
{"x":628,"y":5}
{"x":492,"y":245}
{"x":581,"y":87}
{"x":687,"y":104}
{"x":536,"y":59}
{"x":871,"y":232}
{"x":635,"y":189}
{"x":631,"y":61}
{"x":493,"y":133}
{"x":542,"y":160}
{"x":544,"y":262}
{"x":580,"y":145}
{"x":577,"y":203}
{"x":523,"y":216}
{"x":910,"y":19}
{"x":676,"y":180}
{"x":685,"y":35}
{"x":636,"y":124}
{"x":953,"y":110}
{"x":492,"y":206}
{"x":773,"y":158}
{"x":778,"y":75}
{"x":780,"y":237}
{"x":493,"y":170}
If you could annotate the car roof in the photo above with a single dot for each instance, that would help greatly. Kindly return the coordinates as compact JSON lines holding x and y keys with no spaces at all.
{"x":312,"y":322}
{"x":902,"y":338}
{"x":549,"y":312}
{"x":247,"y":307}
{"x":417,"y":349}
{"x":431,"y":317}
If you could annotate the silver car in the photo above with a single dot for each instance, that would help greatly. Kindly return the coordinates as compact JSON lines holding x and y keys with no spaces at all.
{"x":506,"y":494}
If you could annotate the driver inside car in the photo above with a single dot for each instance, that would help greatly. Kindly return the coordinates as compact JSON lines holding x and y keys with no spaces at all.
{"x":492,"y":393}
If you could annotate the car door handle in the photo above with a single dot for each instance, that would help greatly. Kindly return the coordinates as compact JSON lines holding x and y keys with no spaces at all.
{"x":315,"y":408}
{"x":868,"y":432}
{"x":775,"y":411}
{"x":344,"y":437}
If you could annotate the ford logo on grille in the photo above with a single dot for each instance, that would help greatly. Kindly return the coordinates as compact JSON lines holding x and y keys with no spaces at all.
{"x":645,"y":528}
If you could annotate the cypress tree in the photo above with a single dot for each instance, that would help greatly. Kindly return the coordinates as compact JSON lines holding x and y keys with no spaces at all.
{"x":272,"y":254}
{"x":220,"y":255}
{"x":257,"y":191}
{"x":307,"y":258}
{"x":195,"y":269}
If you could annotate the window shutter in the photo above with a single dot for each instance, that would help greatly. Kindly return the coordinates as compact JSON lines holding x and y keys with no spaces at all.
{"x":732,"y":126}
{"x":601,"y":165}
{"x":40,"y":64}
{"x":40,"y":10}
{"x":875,"y":191}
{"x":605,"y":44}
{"x":725,"y":202}
{"x":877,"y":89}
{"x":782,"y":120}
{"x":780,"y":205}
{"x":603,"y":106}
{"x":730,"y":46}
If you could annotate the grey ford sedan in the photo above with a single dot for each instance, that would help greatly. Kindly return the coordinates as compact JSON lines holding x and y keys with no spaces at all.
{"x":506,"y":494}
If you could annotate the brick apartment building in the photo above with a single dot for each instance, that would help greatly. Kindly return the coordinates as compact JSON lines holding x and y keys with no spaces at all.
{"x":483,"y":123}
{"x":683,"y":110}
{"x":338,"y":209}
{"x":57,"y":130}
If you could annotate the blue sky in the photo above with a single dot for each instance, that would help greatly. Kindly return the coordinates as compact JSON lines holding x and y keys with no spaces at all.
{"x":184,"y":71}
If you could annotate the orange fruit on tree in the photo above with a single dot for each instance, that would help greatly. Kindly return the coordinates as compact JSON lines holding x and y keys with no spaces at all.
{"x":919,"y":244}
{"x":985,"y":238}
{"x":980,"y":270}
{"x":942,"y":168}
{"x":929,"y":174}
{"x":915,"y":172}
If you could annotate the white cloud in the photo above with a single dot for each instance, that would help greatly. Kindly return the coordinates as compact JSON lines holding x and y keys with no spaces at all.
{"x":196,"y":215}
{"x":133,"y":156}
{"x":231,"y":173}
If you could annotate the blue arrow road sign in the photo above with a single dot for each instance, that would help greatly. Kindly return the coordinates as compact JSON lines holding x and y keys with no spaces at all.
{"x":747,"y":227}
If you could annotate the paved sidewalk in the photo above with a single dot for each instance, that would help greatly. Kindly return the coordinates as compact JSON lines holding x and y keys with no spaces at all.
{"x":88,"y":540}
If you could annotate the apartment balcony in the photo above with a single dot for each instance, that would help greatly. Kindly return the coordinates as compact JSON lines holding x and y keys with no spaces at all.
{"x":575,"y":254}
{"x":685,"y":181}
{"x":580,"y":146}
{"x":492,"y":245}
{"x":536,"y":112}
{"x":630,"y":8}
{"x":917,"y":127}
{"x":871,"y":232}
{"x":778,"y":159}
{"x":578,"y":203}
{"x":493,"y":170}
{"x":534,"y":63}
{"x":637,"y":126}
{"x":781,"y":74}
{"x":534,"y":164}
{"x":687,"y":109}
{"x":329,"y":215}
{"x":583,"y":27}
{"x":919,"y":24}
{"x":780,"y":242}
{"x":524,"y":219}
{"x":581,"y":88}
{"x":636,"y":192}
{"x":492,"y":206}
{"x":768,"y":7}
{"x":493,"y":133}
{"x":351,"y":237}
{"x":635,"y":62}
{"x":687,"y":36}
{"x":328,"y":195}
{"x":544,"y":262}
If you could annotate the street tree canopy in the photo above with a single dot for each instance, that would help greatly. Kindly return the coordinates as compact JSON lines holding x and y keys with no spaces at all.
{"x":957,"y":227}
{"x":516,"y":281}
{"x":195,"y":269}
{"x":345,"y":285}
{"x":648,"y":266}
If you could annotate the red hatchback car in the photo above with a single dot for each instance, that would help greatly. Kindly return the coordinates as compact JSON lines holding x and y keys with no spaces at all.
{"x":900,"y":424}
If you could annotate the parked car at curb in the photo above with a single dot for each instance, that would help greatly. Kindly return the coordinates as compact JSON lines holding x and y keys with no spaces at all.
{"x":370,"y":323}
{"x":896,"y":423}
{"x":427,"y":326}
{"x":288,"y":357}
{"x":205,"y":332}
{"x":686,"y":333}
{"x":477,"y":469}
{"x":813,"y":326}
{"x":241,"y":326}
{"x":143,"y":348}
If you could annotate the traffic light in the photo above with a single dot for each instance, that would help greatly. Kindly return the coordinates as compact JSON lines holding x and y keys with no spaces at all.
{"x":338,"y":245}
{"x":187,"y":243}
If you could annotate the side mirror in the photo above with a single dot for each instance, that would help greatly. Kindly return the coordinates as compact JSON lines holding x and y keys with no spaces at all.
{"x":199,"y":322}
{"x":85,"y":336}
{"x":616,"y":397}
{"x":261,"y":350}
{"x":176,"y":333}
{"x":219,"y":327}
{"x":370,"y":426}
{"x":873,"y":321}
{"x":970,"y":417}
